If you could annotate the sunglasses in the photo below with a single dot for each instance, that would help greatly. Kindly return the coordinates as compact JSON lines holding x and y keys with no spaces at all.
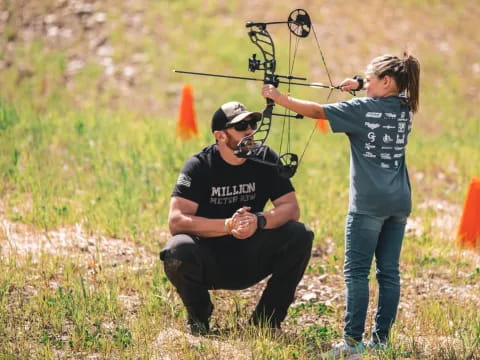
{"x":243,"y":125}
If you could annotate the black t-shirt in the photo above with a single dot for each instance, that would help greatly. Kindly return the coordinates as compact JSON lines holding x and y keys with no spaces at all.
{"x":220,"y":188}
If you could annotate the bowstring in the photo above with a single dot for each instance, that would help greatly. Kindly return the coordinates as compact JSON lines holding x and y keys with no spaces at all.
{"x":287,"y":112}
{"x":328,"y":97}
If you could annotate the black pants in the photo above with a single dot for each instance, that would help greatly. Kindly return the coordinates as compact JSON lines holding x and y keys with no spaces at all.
{"x":195,"y":265}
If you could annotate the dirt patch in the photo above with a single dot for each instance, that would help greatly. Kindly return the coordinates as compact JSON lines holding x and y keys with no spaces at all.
{"x":21,"y":240}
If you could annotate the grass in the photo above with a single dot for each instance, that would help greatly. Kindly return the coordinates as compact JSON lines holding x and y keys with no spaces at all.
{"x":96,"y":152}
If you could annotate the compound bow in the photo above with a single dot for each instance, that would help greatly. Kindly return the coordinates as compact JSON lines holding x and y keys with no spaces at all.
{"x":253,"y":146}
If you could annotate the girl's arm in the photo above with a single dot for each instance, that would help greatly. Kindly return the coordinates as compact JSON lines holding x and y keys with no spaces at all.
{"x":306,"y":108}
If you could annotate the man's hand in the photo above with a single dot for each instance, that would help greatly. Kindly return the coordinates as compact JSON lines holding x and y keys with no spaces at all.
{"x":244,"y":223}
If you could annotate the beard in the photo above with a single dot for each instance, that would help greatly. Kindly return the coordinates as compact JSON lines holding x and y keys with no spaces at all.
{"x":231,"y":142}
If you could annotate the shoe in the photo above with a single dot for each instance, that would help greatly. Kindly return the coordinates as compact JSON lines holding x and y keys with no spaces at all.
{"x":376,"y":345}
{"x":198,"y":328}
{"x":342,"y":350}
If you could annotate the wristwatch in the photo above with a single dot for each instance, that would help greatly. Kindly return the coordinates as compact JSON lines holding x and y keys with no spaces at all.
{"x":261,"y":220}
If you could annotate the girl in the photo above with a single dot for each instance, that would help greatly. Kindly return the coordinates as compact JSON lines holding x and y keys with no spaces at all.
{"x":377,"y":127}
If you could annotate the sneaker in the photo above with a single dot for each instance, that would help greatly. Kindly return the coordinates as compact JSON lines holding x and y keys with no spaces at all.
{"x":376,"y":345}
{"x":199,"y":328}
{"x":342,"y":350}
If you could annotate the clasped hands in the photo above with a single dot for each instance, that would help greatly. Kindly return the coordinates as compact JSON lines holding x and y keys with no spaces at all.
{"x":243,"y":223}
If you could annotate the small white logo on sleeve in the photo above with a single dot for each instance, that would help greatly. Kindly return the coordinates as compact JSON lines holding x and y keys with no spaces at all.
{"x":184,"y":180}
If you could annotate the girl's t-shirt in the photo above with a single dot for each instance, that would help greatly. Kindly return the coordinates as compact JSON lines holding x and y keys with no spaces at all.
{"x":378,"y":130}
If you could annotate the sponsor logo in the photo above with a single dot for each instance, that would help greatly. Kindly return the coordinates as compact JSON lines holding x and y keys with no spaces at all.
{"x":184,"y":180}
{"x":400,"y":139}
{"x":368,"y":154}
{"x":369,"y":146}
{"x":232,"y":194}
{"x":386,"y":156}
{"x":401,"y":127}
{"x":387,"y":139}
{"x":396,"y":156}
{"x":384,"y":165}
{"x":399,"y":148}
{"x":371,"y":136}
{"x":396,"y":163}
{"x":371,"y":125}
{"x":388,"y":127}
{"x":391,"y":115}
{"x":375,"y":115}
{"x":387,"y":147}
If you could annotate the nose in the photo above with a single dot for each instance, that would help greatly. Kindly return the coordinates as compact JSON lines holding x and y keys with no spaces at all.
{"x":249,"y":130}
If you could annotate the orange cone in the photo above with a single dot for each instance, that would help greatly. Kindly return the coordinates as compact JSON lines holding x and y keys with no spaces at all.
{"x":322,"y":125}
{"x":469,"y":230}
{"x":187,"y":123}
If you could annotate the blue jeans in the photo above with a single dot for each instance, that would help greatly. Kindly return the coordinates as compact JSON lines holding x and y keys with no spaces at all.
{"x":366,"y":235}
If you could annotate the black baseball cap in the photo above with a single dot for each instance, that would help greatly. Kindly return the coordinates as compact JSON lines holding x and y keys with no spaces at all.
{"x":231,"y":113}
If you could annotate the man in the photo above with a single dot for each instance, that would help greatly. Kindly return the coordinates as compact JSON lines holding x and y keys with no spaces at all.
{"x":222,"y":238}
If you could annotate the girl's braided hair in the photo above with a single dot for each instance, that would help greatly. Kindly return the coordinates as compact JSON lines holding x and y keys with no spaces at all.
{"x":405,"y":71}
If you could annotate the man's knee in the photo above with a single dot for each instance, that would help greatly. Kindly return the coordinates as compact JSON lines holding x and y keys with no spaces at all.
{"x":179,"y":254}
{"x":181,"y":247}
{"x":302,"y":234}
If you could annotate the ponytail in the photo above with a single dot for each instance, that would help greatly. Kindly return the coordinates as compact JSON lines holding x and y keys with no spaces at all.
{"x":405,"y":71}
{"x":412,"y":70}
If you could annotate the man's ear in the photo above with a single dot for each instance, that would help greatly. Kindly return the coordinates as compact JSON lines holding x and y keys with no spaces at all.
{"x":220,"y":135}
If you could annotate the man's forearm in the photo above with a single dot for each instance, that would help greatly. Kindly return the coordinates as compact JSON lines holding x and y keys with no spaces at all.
{"x":197,"y":225}
{"x":281,"y":214}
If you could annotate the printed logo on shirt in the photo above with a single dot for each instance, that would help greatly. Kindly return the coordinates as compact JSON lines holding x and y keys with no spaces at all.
{"x":386,"y":156}
{"x":391,"y":115}
{"x":387,"y":139}
{"x":387,"y":147}
{"x":371,"y":136}
{"x":396,"y":156}
{"x":399,"y":148}
{"x":230,"y":194}
{"x":369,"y":146}
{"x":375,"y":115}
{"x":400,"y":139}
{"x":184,"y":180}
{"x":384,"y":165}
{"x":388,"y":127}
{"x":395,"y":163}
{"x":401,"y":127}
{"x":368,"y":154}
{"x":372,"y":126}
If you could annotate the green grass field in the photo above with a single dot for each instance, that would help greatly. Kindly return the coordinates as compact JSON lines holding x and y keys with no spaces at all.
{"x":88,"y":158}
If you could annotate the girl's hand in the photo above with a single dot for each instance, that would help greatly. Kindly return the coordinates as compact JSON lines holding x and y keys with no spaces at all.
{"x":270,"y":92}
{"x":349,"y":85}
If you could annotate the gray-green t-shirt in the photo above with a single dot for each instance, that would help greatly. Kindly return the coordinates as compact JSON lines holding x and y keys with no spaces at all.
{"x":378,"y":130}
